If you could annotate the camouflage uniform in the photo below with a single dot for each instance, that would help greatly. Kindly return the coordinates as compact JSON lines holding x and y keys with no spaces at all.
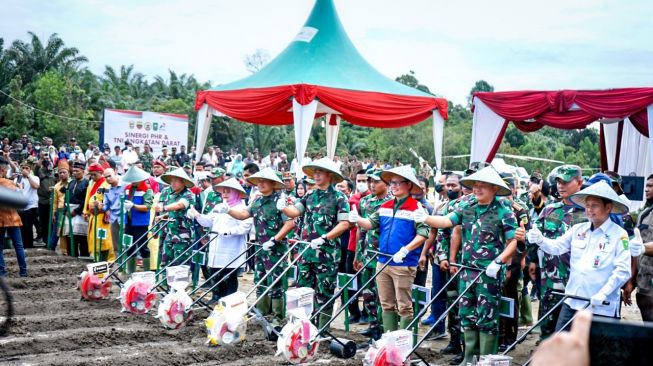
{"x":177,"y":234}
{"x":369,"y":239}
{"x":146,"y":159}
{"x":554,"y":220}
{"x":485,"y":231}
{"x":318,"y":269}
{"x":267,"y":223}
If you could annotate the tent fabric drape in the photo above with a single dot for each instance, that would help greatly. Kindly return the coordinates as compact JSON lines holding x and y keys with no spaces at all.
{"x":303,"y":116}
{"x":487,"y":128}
{"x":332,"y":127}
{"x":438,"y":138}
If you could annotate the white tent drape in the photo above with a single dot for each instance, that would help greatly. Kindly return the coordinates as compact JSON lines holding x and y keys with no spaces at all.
{"x":486,"y":128}
{"x":610,"y":134}
{"x":438,"y":138}
{"x":332,"y":126}
{"x":303,"y":116}
{"x":203,"y":126}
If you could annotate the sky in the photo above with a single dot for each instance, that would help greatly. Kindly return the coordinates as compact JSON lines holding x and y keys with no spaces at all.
{"x":513,"y":45}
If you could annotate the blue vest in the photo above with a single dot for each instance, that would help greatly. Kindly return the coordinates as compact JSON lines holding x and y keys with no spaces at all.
{"x":139,"y":218}
{"x":397,"y":229}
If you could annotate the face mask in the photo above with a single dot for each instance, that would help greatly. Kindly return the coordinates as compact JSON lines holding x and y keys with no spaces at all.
{"x":452,"y":195}
{"x":361,"y":187}
{"x":438,"y":187}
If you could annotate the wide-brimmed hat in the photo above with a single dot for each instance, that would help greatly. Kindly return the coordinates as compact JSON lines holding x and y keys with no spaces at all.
{"x":233,"y":184}
{"x":134,"y":175}
{"x":600,"y":189}
{"x":406,"y":172}
{"x":179,"y":173}
{"x":266,"y":174}
{"x":325,"y":164}
{"x":490,"y":176}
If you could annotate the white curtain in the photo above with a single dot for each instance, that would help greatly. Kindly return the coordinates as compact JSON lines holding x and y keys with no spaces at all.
{"x":650,"y":136}
{"x":303,"y":116}
{"x":610,"y":133}
{"x":634,"y":158}
{"x":485,"y":130}
{"x":203,"y":125}
{"x":332,"y":134}
{"x":438,"y":138}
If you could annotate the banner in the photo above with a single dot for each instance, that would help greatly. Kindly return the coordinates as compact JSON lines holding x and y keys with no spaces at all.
{"x":140,"y":128}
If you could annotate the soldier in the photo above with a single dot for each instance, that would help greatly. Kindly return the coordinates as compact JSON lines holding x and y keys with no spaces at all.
{"x":488,"y":231}
{"x":325,"y":213}
{"x":554,"y":220}
{"x":95,"y":193}
{"x":146,"y":158}
{"x":138,"y":202}
{"x":402,"y":238}
{"x":643,"y":276}
{"x":271,"y":228}
{"x":369,"y":239}
{"x":175,"y":201}
{"x":289,"y":183}
{"x":158,"y":169}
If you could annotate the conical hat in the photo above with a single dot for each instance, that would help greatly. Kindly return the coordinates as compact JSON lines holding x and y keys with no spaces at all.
{"x":233,"y":184}
{"x":324,"y":164}
{"x":179,"y":173}
{"x":134,"y":175}
{"x":267,"y":174}
{"x":160,"y":181}
{"x":603,"y":190}
{"x":490,"y":176}
{"x":404,"y":171}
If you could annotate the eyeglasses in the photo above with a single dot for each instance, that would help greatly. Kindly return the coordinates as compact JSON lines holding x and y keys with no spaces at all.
{"x":395,"y":183}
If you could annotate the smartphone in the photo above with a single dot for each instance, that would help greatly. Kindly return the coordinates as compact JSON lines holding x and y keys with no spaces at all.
{"x":617,"y":342}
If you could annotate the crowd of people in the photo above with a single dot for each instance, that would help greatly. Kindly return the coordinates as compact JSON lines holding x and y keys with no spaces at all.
{"x":559,"y":232}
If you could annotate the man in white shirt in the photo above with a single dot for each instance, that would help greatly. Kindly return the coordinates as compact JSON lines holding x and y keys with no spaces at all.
{"x":600,"y":254}
{"x":29,"y":183}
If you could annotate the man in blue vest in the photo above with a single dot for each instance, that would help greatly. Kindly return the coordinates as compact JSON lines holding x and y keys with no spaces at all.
{"x":138,"y":202}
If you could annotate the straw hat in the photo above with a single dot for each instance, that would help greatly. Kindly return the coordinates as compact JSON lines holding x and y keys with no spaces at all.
{"x":135,"y":175}
{"x":601,"y":190}
{"x":325,"y":164}
{"x":487,"y":175}
{"x":179,"y":173}
{"x":233,"y":184}
{"x":404,"y":171}
{"x":266,"y":174}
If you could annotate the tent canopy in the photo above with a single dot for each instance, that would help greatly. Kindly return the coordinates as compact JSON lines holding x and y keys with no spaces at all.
{"x":321,"y":72}
{"x":625,"y":115}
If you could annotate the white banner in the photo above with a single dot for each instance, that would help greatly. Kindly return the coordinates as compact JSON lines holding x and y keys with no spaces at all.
{"x":140,"y":128}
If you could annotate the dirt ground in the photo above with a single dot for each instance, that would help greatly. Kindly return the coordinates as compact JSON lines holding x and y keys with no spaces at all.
{"x":54,"y":327}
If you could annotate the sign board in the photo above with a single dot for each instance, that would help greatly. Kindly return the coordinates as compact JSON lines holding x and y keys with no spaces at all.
{"x":102,"y":234}
{"x":421,"y":295}
{"x":127,"y":240}
{"x":99,"y":269}
{"x":199,"y":257}
{"x":343,"y":278}
{"x":292,"y":274}
{"x":507,"y":307}
{"x":140,"y":128}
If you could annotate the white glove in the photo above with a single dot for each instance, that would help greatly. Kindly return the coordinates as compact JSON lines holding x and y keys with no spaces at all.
{"x":282,"y":202}
{"x":268,"y":245}
{"x":221,"y":208}
{"x":192,"y":213}
{"x":317,"y":243}
{"x":225,"y":232}
{"x":492,"y":270}
{"x":353,"y":215}
{"x":420,"y":214}
{"x":636,"y":245}
{"x":534,"y":236}
{"x":400,"y":255}
{"x":597,"y":300}
{"x":128,"y":205}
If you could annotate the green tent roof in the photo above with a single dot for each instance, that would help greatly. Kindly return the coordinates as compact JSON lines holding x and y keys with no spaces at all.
{"x":329,"y":59}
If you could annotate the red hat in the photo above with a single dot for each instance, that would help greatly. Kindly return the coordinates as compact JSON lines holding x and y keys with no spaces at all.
{"x":95,"y":167}
{"x":161,"y":163}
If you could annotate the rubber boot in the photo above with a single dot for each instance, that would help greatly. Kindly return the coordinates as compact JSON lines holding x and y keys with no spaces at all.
{"x":263,"y":305}
{"x":489,"y":343}
{"x":131,"y":266}
{"x":471,"y":346}
{"x":146,"y":264}
{"x":404,"y":321}
{"x":390,"y":321}
{"x":324,"y":318}
{"x":277,"y":311}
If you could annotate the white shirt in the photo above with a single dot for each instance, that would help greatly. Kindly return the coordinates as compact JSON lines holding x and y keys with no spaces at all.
{"x":225,"y":248}
{"x":28,"y":191}
{"x":600,"y":263}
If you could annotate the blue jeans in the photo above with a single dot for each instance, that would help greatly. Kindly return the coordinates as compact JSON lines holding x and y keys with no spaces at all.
{"x":53,"y":240}
{"x":14,"y":234}
{"x":438,"y":279}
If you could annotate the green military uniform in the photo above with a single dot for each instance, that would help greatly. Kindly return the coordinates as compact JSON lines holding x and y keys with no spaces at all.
{"x":369,"y":240}
{"x":146,"y":159}
{"x":178,"y":234}
{"x":322,"y":210}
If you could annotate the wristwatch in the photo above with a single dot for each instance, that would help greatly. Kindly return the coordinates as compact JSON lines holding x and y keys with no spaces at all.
{"x":498,"y":261}
{"x":324,"y":236}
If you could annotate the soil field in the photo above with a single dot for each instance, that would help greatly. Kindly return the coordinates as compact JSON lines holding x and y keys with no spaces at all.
{"x":54,"y":327}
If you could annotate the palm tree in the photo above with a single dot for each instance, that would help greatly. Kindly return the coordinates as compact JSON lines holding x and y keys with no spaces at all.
{"x":34,"y":58}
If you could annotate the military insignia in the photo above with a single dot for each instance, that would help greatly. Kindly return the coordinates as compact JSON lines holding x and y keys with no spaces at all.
{"x":625,"y":242}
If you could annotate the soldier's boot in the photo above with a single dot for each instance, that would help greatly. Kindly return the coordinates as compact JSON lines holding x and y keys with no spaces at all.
{"x":489,"y":343}
{"x":472,"y":347}
{"x":146,"y":264}
{"x":324,"y":318}
{"x":131,"y":266}
{"x":404,"y":321}
{"x":263,"y":305}
{"x":277,"y":310}
{"x":453,"y":348}
{"x":390,"y":321}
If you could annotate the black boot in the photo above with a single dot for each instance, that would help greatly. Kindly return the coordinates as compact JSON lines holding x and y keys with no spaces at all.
{"x":453,"y":348}
{"x":373,"y":332}
{"x":457,"y":360}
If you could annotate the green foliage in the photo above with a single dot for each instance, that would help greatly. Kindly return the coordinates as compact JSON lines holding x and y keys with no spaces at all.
{"x":17,"y":117}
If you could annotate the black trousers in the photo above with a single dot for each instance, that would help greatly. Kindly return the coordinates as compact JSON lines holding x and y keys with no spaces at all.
{"x":29,"y":218}
{"x":136,"y":232}
{"x":44,"y":214}
{"x":566,"y":313}
{"x":229,"y":283}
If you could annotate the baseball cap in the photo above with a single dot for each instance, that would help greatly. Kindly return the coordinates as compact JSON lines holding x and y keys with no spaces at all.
{"x":568,"y":172}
